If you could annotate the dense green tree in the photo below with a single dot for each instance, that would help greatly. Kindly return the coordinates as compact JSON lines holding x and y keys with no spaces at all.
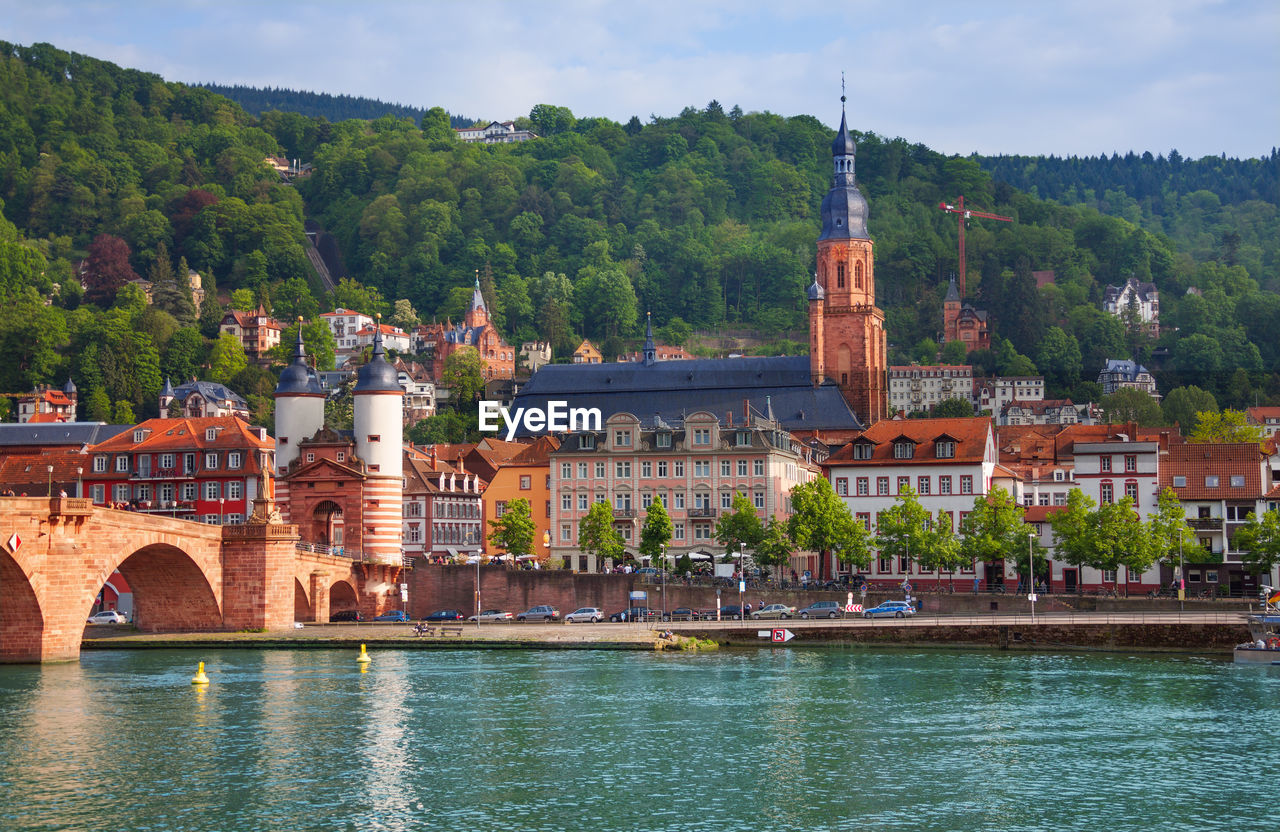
{"x":656,"y":532}
{"x":994,"y":530}
{"x":775,"y":546}
{"x":1129,"y":405}
{"x":1227,"y":426}
{"x":513,"y":531}
{"x":464,"y":376}
{"x":820,"y":521}
{"x":597,"y":535}
{"x":226,"y":358}
{"x":1259,"y":542}
{"x":953,"y":408}
{"x":1182,"y":405}
{"x":739,"y":528}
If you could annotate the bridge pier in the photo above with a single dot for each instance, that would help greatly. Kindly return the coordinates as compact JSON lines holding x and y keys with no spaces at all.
{"x":258,"y":562}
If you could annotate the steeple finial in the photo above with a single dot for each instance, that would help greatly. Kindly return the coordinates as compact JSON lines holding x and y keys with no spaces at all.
{"x":299,"y":349}
{"x":842,"y":90}
{"x":377,"y":336}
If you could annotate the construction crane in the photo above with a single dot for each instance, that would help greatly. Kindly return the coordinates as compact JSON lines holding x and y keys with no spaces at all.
{"x":962,"y":213}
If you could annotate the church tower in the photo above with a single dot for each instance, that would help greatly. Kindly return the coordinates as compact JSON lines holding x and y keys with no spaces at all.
{"x":847,"y":342}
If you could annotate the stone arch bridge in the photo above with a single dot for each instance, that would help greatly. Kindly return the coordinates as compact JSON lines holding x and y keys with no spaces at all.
{"x":56,"y":554}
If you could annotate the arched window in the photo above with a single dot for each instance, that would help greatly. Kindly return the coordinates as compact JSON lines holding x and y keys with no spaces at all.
{"x":840,"y":275}
{"x":857,"y":275}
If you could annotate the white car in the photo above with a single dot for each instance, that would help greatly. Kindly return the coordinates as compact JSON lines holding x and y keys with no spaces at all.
{"x":490,"y":615}
{"x":591,"y":614}
{"x":107,"y":617}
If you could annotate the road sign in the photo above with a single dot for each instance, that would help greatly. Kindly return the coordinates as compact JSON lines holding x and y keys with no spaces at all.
{"x":853,"y":608}
{"x":638,"y":595}
{"x":14,"y":542}
{"x":1032,"y":597}
{"x":781,"y":635}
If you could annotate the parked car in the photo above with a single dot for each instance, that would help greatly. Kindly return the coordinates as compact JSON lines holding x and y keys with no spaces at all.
{"x":443,"y":615}
{"x":589,"y":614}
{"x":682,"y":614}
{"x":392,"y":615}
{"x":890,"y":609}
{"x":490,"y":615}
{"x":107,"y":617}
{"x":346,"y":615}
{"x":632,"y":614}
{"x":774,"y":611}
{"x":733,"y":612}
{"x":822,"y":609}
{"x":542,"y":612}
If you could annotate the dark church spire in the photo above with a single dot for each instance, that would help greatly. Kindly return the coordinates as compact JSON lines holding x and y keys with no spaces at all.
{"x":844,"y":210}
{"x":650,"y":351}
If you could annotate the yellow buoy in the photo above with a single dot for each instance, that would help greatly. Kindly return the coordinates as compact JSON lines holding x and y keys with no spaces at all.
{"x":363,"y":658}
{"x":200,"y":678}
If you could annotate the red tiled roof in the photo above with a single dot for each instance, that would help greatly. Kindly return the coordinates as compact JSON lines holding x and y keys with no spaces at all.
{"x":1040,"y":514}
{"x":45,"y":418}
{"x":188,"y":434}
{"x":1197,"y":462}
{"x":32,"y":469}
{"x":970,"y":435}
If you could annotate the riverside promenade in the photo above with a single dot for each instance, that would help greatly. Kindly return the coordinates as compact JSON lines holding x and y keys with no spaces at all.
{"x":1212,"y":632}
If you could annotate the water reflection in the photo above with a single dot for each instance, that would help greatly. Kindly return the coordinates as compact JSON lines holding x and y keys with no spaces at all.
{"x":775,"y":738}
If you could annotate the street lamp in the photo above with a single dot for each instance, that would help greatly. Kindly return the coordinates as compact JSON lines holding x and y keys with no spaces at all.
{"x":80,"y":482}
{"x":478,"y":590}
{"x":1182,"y":584}
{"x":662,"y":552}
{"x":742,"y":580}
{"x":50,"y":469}
{"x":1031,"y":573}
{"x":222,"y":510}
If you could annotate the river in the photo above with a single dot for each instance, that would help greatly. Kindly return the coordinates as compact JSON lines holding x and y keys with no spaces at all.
{"x":767,"y":739}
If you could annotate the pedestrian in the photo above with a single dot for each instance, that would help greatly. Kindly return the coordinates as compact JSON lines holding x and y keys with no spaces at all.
{"x":975,"y":584}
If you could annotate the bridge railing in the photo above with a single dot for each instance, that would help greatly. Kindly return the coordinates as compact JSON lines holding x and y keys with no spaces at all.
{"x":351,"y":554}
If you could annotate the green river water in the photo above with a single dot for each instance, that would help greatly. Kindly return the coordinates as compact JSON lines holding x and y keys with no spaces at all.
{"x":769,"y":739}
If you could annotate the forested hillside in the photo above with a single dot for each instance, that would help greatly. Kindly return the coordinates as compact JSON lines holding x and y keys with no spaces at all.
{"x":257,"y":101}
{"x":708,"y":219}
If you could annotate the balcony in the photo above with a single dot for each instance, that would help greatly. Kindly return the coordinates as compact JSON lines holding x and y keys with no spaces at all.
{"x":1201,"y":524}
{"x":624,"y":512}
{"x":706,"y":511}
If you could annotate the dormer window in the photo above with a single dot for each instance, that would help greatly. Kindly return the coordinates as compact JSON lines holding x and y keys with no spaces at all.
{"x":862,"y":450}
{"x":904,"y":450}
{"x":587,"y":442}
{"x":702,"y":436}
{"x":99,"y":464}
{"x":210,"y":434}
{"x":139,"y":435}
{"x":622,"y":439}
{"x":945,"y":449}
{"x":742,"y":438}
{"x":662,"y":440}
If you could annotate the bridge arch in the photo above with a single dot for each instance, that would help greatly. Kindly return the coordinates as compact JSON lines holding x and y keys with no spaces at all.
{"x":303,"y":609}
{"x":171,"y":591}
{"x":21,"y":618}
{"x":342,"y":596}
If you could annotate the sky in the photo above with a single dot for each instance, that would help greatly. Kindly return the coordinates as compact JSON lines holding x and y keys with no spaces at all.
{"x":1070,"y":77}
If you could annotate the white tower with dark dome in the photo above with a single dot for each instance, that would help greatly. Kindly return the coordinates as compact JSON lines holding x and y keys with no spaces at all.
{"x":299,"y":405}
{"x":379,"y":439}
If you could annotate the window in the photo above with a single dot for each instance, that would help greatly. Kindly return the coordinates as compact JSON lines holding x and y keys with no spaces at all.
{"x":499,"y":508}
{"x":742,"y":467}
{"x":622,"y":439}
{"x":864,"y":486}
{"x":210,"y":434}
{"x":373,"y":437}
{"x":663,"y":469}
{"x":885,"y":566}
{"x":189,"y":463}
{"x":882,"y":486}
{"x":701,"y":531}
{"x":566,"y":471}
{"x":865,"y":519}
{"x":945,"y":449}
{"x":210,"y":461}
{"x":122,"y":464}
{"x":646,"y":469}
{"x":622,"y":469}
{"x":677,"y":531}
{"x":120,"y":493}
{"x":622,"y":501}
{"x":646,"y":500}
{"x":923,"y":485}
{"x":758,"y":500}
{"x":415,"y":534}
{"x":662,"y":440}
{"x":210,"y":519}
{"x":840,"y":275}
{"x":679,"y":499}
{"x":1130,"y":463}
{"x":99,"y":464}
{"x":757,"y":468}
{"x":726,"y":468}
{"x":944,"y":485}
{"x":583,"y":502}
{"x":1211,"y":576}
{"x":97,"y":493}
{"x":1179,"y":481}
{"x":566,"y":502}
{"x":1042,"y":500}
{"x":903,"y":484}
{"x":311,"y":457}
{"x":211,"y":490}
{"x":842,"y":486}
{"x":1131,"y":491}
{"x":1109,"y":576}
{"x":742,"y":438}
{"x":234,"y":459}
{"x":566,"y":532}
{"x":1237,"y":480}
{"x":1239,"y":513}
{"x":966,"y":483}
{"x":702,"y":436}
{"x":599,"y":470}
{"x":526,"y":482}
{"x":166,"y":461}
{"x":234,"y":490}
{"x":862,"y":450}
{"x":1105,"y":462}
{"x":1211,"y":481}
{"x":702,"y":468}
{"x":1107,"y":492}
{"x":904,"y":450}
{"x":677,"y":468}
{"x":189,"y":491}
{"x":726,"y":500}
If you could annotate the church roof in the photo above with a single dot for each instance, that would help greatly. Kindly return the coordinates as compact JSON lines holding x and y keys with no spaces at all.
{"x":952,"y":295}
{"x":671,"y":389}
{"x":210,"y":391}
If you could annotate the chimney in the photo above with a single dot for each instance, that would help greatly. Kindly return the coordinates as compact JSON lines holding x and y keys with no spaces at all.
{"x":729,"y":417}
{"x":462,"y":465}
{"x":746,"y":411}
{"x":433,"y":457}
